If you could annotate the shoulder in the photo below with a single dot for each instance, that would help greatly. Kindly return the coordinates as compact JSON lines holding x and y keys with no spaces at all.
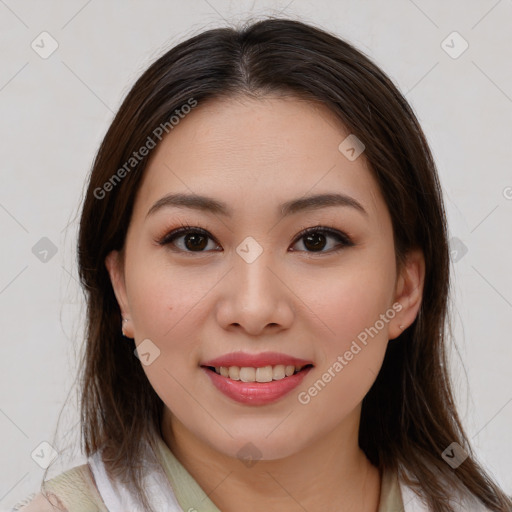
{"x":71,"y":491}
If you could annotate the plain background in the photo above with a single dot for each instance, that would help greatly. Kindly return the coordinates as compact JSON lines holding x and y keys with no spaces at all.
{"x":55,"y":111}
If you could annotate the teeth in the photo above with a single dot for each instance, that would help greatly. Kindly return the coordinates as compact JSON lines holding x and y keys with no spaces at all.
{"x":289,"y":370}
{"x":234,"y":373}
{"x":278,"y":372}
{"x":263,"y":374}
{"x":247,"y":374}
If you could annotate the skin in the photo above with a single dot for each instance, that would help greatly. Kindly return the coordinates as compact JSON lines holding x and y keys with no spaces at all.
{"x":255,"y":154}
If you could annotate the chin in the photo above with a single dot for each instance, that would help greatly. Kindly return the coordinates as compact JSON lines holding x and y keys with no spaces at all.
{"x":256,"y":444}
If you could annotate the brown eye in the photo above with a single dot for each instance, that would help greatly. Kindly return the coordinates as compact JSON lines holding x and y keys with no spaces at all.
{"x":316,"y":239}
{"x":194,"y":239}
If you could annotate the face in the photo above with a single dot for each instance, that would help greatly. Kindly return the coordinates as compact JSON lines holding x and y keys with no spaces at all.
{"x":245,"y":287}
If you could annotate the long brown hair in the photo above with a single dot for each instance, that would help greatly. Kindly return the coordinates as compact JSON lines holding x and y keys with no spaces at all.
{"x":409,"y":415}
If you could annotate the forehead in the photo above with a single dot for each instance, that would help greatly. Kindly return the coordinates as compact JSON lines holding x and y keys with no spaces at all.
{"x":246,"y":151}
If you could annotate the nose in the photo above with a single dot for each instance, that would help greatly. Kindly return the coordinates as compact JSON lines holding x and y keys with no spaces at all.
{"x":255,"y":297}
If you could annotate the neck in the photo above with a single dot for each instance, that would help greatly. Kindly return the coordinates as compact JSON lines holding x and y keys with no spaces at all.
{"x":331,"y":473}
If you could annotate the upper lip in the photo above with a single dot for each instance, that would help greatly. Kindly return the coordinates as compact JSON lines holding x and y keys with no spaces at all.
{"x":243,"y":359}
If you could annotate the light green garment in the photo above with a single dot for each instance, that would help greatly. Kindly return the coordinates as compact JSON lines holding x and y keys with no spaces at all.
{"x":76,"y":490}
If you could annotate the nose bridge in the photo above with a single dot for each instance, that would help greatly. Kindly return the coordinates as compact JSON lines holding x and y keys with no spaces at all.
{"x":252,"y":267}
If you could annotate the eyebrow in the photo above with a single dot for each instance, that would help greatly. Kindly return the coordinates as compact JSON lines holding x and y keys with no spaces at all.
{"x":209,"y":204}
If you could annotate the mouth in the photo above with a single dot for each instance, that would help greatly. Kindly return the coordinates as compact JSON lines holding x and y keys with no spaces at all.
{"x":260,"y":374}
{"x":256,"y":379}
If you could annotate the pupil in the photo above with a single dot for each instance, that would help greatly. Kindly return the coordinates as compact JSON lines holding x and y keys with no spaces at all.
{"x":317,"y":239}
{"x":195,"y":240}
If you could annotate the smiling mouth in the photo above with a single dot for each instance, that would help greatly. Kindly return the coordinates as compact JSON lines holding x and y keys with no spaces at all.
{"x":260,"y":374}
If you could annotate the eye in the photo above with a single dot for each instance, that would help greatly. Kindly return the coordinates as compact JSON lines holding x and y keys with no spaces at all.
{"x":315,"y":239}
{"x":196,"y":239}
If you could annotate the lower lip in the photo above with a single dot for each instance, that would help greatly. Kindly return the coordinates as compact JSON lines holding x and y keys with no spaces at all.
{"x":256,"y":393}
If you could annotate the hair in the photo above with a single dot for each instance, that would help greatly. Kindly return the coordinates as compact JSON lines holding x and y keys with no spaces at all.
{"x":409,"y":415}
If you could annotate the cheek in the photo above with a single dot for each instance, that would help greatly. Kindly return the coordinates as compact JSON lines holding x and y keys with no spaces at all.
{"x":167,"y":307}
{"x":165,"y":300}
{"x":353,"y":301}
{"x":351,"y":356}
{"x":356,"y":307}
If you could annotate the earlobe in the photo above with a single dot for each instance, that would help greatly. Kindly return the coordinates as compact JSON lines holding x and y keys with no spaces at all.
{"x":409,"y":292}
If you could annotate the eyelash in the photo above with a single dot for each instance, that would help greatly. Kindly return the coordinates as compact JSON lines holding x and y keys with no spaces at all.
{"x":185,"y":229}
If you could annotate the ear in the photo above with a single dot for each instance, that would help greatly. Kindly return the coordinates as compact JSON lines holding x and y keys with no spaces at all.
{"x":408,"y":292}
{"x":115,"y":266}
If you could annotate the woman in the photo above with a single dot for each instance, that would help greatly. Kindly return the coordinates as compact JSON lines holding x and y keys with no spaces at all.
{"x":264,"y":250}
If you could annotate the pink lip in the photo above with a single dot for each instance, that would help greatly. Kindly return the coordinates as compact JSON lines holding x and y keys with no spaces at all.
{"x":256,"y":393}
{"x":255,"y":360}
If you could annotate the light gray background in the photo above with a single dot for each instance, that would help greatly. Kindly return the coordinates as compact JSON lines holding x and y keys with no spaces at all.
{"x":54,"y":112}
